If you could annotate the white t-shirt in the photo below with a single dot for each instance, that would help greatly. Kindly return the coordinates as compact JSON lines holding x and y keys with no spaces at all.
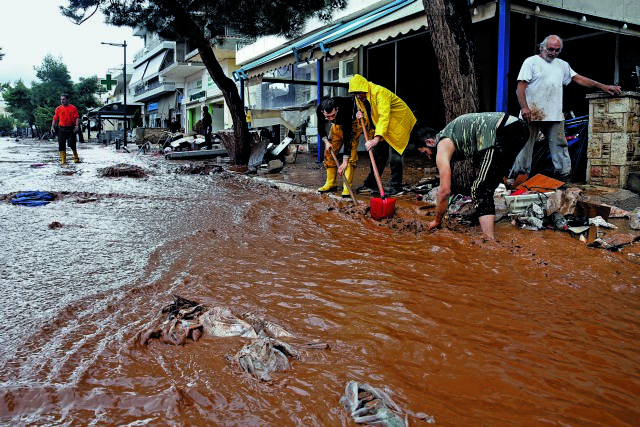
{"x":544,"y":89}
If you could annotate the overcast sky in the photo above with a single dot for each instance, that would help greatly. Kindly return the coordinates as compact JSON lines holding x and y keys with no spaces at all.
{"x":31,"y":29}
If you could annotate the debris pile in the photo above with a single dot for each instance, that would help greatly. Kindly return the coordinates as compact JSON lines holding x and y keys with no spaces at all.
{"x":186,"y":321}
{"x":123,"y":170}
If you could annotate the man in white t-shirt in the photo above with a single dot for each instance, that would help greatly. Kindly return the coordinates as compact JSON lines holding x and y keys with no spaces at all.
{"x":540,"y":85}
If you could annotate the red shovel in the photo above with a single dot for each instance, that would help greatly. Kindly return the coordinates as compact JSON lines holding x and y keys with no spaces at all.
{"x":382,"y":207}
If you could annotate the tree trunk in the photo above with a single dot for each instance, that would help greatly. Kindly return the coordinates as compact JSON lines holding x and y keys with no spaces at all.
{"x":242,"y":138}
{"x":190,"y":30}
{"x":455,"y":49}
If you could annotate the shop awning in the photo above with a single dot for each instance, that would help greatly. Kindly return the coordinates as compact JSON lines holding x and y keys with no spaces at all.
{"x":330,"y":39}
{"x":114,"y":110}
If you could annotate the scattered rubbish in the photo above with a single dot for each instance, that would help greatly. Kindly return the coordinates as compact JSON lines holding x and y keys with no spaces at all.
{"x":198,"y":169}
{"x":186,"y":319}
{"x":577,"y":231}
{"x":371,"y":406}
{"x":460,"y":205}
{"x":540,"y":183}
{"x":598,"y":221}
{"x":277,"y":149}
{"x":38,"y":165}
{"x":517,"y":204}
{"x":559,"y":222}
{"x":33,"y":198}
{"x":591,"y":210}
{"x":614,"y":243}
{"x":501,"y":190}
{"x":275,"y":166}
{"x":264,"y":356}
{"x":634,"y":219}
{"x":123,"y":170}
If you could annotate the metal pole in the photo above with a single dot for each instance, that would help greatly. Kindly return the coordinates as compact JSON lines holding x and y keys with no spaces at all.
{"x":320,"y":89}
{"x":504,"y":30}
{"x":124,"y":78}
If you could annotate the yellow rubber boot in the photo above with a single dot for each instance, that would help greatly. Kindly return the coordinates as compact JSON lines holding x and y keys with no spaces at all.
{"x":330,"y":185}
{"x":76,"y":159}
{"x":348,"y":177}
{"x":63,"y":157}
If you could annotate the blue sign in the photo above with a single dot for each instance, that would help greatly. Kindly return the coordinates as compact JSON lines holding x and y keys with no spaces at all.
{"x":152,"y":106}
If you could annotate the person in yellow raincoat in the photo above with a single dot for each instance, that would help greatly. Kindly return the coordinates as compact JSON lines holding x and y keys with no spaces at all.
{"x":393,"y":121}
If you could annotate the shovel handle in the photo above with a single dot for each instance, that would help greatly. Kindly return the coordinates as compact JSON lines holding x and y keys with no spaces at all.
{"x":346,"y":182}
{"x":373,"y":160}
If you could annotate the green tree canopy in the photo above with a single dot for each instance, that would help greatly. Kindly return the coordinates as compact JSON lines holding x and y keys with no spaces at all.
{"x":18,"y":100}
{"x":36,"y":105}
{"x":6,"y":123}
{"x":201,"y":23}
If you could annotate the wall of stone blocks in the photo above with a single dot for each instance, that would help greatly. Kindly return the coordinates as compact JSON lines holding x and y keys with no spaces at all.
{"x":614,"y":138}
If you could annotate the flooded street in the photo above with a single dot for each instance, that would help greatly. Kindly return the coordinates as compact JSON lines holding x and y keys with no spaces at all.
{"x":536,"y":329}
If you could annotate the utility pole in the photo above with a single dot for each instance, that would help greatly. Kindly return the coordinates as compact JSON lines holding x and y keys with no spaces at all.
{"x":124,"y":79}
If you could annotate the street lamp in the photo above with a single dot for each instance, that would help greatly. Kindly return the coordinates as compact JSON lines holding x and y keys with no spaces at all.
{"x":124,"y":79}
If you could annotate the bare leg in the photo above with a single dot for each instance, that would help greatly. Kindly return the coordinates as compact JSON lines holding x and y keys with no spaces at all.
{"x":486,"y":225}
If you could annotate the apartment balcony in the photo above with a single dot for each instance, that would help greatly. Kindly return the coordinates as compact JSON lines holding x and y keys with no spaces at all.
{"x":151,"y":90}
{"x":152,"y":49}
{"x":178,"y":71}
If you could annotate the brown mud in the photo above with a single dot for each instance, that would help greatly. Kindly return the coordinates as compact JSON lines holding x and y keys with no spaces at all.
{"x":533,"y":329}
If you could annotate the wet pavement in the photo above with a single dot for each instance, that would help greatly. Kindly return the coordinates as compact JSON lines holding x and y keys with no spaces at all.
{"x":536,"y":328}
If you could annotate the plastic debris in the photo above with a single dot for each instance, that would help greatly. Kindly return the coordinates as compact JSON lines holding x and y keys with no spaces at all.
{"x":33,"y":198}
{"x":559,"y":222}
{"x":634,"y":219}
{"x":598,"y":221}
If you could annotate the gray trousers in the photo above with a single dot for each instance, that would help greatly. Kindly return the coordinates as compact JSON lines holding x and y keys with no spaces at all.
{"x":554,"y":132}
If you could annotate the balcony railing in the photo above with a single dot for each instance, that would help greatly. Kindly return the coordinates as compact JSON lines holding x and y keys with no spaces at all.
{"x":144,"y":91}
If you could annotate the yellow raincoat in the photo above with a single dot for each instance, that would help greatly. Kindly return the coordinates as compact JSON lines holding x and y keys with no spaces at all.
{"x":391,"y":115}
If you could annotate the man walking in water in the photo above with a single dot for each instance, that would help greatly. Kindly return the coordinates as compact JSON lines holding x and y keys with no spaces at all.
{"x":68,"y":120}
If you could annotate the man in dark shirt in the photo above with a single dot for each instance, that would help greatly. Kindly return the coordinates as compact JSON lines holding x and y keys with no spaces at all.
{"x":338,"y":127}
{"x":206,"y":125}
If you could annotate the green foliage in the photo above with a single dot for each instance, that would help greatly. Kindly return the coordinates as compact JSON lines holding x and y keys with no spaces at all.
{"x":84,"y":94}
{"x":43,"y":116}
{"x":6,"y":123}
{"x":252,"y":18}
{"x":36,"y":105}
{"x":136,"y":120}
{"x":18,"y":100}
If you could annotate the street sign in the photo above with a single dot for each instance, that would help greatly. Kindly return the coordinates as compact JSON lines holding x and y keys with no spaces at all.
{"x":109,"y":82}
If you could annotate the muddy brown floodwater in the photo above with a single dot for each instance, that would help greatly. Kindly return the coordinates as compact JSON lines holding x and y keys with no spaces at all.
{"x":534,"y":329}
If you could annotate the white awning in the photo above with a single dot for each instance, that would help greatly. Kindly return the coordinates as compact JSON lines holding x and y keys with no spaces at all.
{"x":138,"y":73}
{"x":154,"y":66}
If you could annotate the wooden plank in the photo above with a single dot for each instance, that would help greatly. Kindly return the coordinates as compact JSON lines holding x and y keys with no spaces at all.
{"x":541,"y":183}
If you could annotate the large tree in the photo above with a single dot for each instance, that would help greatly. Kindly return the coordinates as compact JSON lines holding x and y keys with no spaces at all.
{"x":454,"y":45}
{"x":18,"y":100}
{"x":201,"y":22}
{"x":35,"y":106}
